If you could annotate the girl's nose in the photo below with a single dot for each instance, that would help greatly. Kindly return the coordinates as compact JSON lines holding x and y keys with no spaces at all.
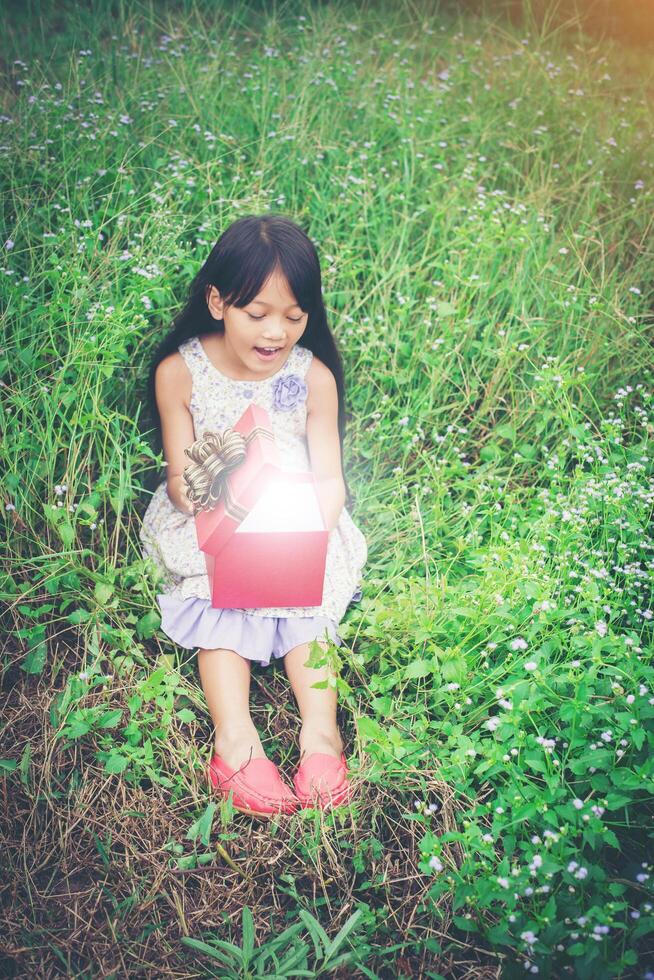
{"x":275,"y":335}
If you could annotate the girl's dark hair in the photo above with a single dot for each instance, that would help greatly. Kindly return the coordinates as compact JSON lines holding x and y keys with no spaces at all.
{"x":247,"y":253}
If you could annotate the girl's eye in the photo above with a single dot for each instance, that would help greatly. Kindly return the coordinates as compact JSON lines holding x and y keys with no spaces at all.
{"x":296,"y":320}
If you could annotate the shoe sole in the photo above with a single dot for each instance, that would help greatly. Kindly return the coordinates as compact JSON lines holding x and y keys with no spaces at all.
{"x":341,"y":799}
{"x":258,"y":813}
{"x":267,"y":814}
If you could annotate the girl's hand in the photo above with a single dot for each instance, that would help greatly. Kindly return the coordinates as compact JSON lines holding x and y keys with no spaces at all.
{"x":178,"y":494}
{"x":183,"y":492}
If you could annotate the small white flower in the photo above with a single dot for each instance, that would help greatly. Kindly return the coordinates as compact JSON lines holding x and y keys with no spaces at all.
{"x":577,"y":803}
{"x":531,"y":665}
{"x":601,"y":627}
{"x":519,"y":644}
{"x":435,"y":863}
{"x":9,"y":244}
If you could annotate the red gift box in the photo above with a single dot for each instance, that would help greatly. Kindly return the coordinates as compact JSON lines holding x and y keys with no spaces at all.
{"x":265,"y":542}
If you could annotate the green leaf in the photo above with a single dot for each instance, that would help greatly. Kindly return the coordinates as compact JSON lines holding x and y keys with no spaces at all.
{"x":148,"y":624}
{"x":230,"y":955}
{"x":491,"y":452}
{"x":370,"y":729}
{"x":468,"y":925}
{"x":8,"y":765}
{"x":34,"y":662}
{"x":535,"y":762}
{"x":528,"y":450}
{"x":615,"y":801}
{"x":186,"y":715}
{"x":248,"y":935}
{"x":342,"y":934}
{"x":103,"y":592}
{"x":110,"y":718}
{"x":319,"y":937}
{"x":202,"y":826}
{"x":417,"y":668}
{"x":116,"y":763}
{"x":78,"y":616}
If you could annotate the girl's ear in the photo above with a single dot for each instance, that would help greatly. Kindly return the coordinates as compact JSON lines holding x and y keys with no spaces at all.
{"x":214,"y":302}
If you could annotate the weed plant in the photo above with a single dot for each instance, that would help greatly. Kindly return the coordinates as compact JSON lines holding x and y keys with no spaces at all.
{"x":481,"y":195}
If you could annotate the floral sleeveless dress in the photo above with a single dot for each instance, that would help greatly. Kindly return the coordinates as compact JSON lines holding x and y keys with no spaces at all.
{"x":168,"y":535}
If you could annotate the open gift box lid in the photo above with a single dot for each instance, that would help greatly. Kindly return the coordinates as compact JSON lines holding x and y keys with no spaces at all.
{"x":260,"y":496}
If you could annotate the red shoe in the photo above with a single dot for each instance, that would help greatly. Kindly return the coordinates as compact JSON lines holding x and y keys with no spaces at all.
{"x":321,"y":781}
{"x":257,"y":787}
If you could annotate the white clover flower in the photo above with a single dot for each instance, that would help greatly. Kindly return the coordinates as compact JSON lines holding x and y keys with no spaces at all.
{"x":577,"y":803}
{"x":529,"y":937}
{"x":531,"y":665}
{"x":435,"y":863}
{"x":519,"y":644}
{"x":601,"y":628}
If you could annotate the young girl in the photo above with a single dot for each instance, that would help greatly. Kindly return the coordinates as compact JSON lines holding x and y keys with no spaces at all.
{"x":254,"y":330}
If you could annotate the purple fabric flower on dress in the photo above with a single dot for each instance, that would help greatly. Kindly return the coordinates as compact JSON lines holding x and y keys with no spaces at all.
{"x":288,"y":391}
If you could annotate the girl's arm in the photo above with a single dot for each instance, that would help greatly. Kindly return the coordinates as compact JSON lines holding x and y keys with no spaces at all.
{"x":323,"y":441}
{"x":173,"y":390}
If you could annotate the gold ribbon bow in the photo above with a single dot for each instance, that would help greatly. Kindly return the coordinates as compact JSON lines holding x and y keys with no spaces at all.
{"x":214,"y":457}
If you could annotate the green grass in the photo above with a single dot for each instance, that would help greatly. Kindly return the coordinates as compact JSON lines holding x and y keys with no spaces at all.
{"x":480,"y":193}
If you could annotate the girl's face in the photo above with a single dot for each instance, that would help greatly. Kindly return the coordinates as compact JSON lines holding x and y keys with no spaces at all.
{"x":272,"y":320}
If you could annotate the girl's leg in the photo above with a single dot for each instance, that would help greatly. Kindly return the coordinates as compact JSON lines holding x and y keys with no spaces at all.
{"x":317,"y":706}
{"x":225,"y":678}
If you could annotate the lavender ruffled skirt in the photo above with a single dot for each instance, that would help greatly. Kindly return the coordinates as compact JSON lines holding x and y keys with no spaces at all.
{"x":195,"y":622}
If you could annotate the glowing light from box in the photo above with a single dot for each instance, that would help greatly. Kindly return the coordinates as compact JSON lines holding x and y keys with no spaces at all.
{"x":284,"y":506}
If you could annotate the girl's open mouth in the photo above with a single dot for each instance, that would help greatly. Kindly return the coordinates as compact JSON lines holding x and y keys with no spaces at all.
{"x":267,"y":355}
